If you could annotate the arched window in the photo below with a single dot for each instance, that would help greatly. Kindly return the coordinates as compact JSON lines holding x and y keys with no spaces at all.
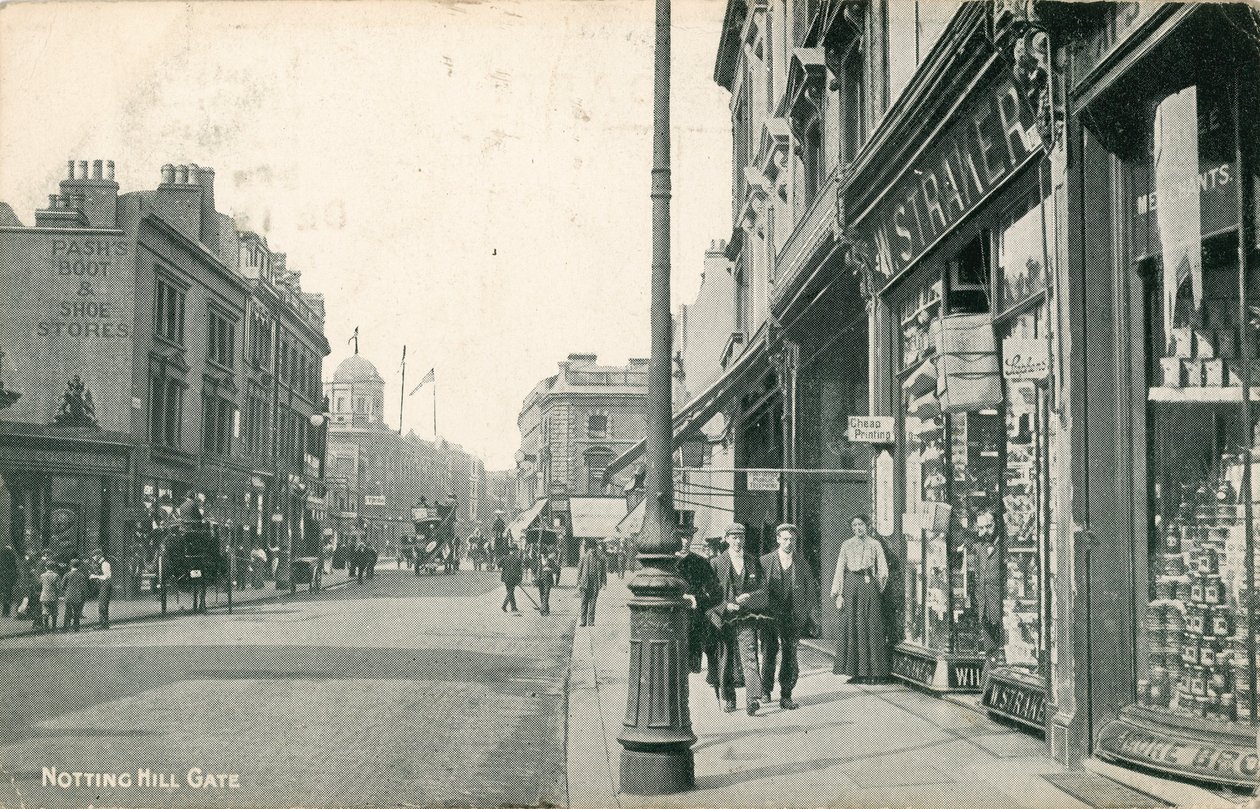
{"x":597,"y":461}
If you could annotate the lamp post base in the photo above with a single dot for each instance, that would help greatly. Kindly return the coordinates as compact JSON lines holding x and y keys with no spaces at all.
{"x":657,"y":773}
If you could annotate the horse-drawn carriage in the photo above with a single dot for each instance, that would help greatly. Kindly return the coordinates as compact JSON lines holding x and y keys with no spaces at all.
{"x":190,"y":558}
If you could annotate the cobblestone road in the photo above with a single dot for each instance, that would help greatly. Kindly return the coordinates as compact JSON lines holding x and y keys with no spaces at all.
{"x":397,"y":691}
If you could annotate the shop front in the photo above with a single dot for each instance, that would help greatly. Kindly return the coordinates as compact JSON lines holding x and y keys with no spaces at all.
{"x":1164,"y":98}
{"x":949,"y":231}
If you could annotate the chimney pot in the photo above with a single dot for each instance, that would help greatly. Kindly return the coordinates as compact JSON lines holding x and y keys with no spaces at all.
{"x":194,"y":174}
{"x":69,"y":169}
{"x":83,"y":175}
{"x":168,"y":174}
{"x":181,"y":175}
{"x":96,"y":169}
{"x":109,"y":169}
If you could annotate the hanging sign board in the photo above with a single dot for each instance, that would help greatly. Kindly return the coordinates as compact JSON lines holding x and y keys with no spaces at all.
{"x":763,"y":481}
{"x":1025,"y":360}
{"x":885,"y":490}
{"x":872,"y":429}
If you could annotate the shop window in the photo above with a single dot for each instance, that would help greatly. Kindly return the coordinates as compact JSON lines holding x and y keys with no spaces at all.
{"x":1021,"y":258}
{"x":968,"y":289}
{"x":597,"y":426}
{"x":168,"y":311}
{"x":1184,"y":222}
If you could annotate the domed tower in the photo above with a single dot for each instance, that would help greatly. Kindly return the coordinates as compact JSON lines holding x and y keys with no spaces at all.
{"x":356,"y":394}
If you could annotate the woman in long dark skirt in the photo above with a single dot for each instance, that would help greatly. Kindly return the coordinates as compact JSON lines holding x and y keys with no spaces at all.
{"x":857,"y":586}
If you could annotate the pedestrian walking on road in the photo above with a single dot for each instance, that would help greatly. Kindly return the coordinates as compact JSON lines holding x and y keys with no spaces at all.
{"x":545,"y":578}
{"x":74,"y":584}
{"x":592,"y":576}
{"x":510,"y":566}
{"x":104,"y":577}
{"x":740,"y":612}
{"x":49,"y":586}
{"x":8,"y":577}
{"x":859,"y":580}
{"x":792,"y":593}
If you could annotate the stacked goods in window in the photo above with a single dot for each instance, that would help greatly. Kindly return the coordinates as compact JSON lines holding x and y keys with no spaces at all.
{"x":1205,"y":354}
{"x":1198,"y":662}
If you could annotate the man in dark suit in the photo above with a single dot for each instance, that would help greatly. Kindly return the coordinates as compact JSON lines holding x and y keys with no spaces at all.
{"x":793,"y":595}
{"x":592,"y":576}
{"x":740,"y":583}
{"x":701,"y":595}
{"x":987,"y":575}
{"x":510,"y":575}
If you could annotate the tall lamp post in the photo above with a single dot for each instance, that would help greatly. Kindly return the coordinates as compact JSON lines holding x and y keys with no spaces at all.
{"x":656,"y":739}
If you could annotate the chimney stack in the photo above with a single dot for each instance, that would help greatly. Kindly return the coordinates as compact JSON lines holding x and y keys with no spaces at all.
{"x":209,"y":217}
{"x":91,"y":194}
{"x":64,"y":211}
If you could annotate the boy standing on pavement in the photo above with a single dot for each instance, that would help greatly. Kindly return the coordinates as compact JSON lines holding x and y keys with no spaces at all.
{"x":743,"y":599}
{"x":793,"y":592}
{"x":48,"y":586}
{"x":545,"y":578}
{"x":74,"y":585}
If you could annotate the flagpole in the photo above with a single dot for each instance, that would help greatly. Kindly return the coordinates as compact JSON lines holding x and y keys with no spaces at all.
{"x":435,"y":407}
{"x":402,"y":391}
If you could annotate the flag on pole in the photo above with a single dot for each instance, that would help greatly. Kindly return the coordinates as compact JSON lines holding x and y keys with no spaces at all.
{"x":429,"y":377}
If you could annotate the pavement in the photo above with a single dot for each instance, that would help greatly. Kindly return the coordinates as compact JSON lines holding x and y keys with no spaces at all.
{"x":847,"y":745}
{"x":149,"y":605}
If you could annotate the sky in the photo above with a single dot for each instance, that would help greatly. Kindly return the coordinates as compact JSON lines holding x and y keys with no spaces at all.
{"x":469,"y":179}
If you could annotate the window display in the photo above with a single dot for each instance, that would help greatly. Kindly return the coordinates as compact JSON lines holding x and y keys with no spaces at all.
{"x":1199,"y":663}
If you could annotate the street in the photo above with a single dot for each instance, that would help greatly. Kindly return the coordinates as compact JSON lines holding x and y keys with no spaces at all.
{"x":401,"y":690}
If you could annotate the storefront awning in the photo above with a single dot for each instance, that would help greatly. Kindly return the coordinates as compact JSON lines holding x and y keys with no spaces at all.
{"x":632,"y":523}
{"x":696,"y":413}
{"x":526,"y":518}
{"x":596,"y":517}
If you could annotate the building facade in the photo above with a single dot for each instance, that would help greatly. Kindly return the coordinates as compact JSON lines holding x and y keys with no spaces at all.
{"x":377,"y":475}
{"x":140,"y":302}
{"x":573,"y":425}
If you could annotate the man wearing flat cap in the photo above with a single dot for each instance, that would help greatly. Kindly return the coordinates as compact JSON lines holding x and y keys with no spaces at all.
{"x":793,"y":595}
{"x":742,"y":606}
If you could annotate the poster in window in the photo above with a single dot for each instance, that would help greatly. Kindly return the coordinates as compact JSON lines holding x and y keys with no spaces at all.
{"x":64,"y":531}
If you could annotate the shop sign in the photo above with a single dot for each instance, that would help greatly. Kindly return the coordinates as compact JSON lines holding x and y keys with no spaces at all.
{"x":916,"y":669}
{"x":1019,"y":702}
{"x":991,"y":140}
{"x":1216,"y":206}
{"x":374,"y":500}
{"x":872,"y":429}
{"x":560,"y":505}
{"x":764,"y":481}
{"x":1119,"y":21}
{"x":350,"y":515}
{"x":1025,"y":360}
{"x":965,"y":675}
{"x":1213,"y":760}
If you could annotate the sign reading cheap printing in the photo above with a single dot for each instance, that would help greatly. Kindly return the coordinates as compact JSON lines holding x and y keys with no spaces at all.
{"x":987,"y":143}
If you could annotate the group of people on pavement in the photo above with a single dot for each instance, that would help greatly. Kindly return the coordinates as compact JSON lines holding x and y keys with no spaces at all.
{"x":592,"y":577}
{"x":749,"y":613}
{"x":49,"y":583}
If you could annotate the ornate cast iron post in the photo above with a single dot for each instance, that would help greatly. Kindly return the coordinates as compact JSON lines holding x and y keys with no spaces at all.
{"x":656,"y":739}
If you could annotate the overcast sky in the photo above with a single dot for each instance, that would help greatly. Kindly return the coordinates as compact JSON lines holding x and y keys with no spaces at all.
{"x":470,"y":179}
